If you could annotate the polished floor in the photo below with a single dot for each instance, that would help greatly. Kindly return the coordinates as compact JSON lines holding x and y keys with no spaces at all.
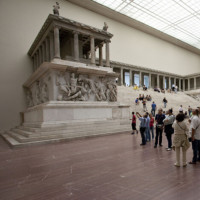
{"x":113,"y":167}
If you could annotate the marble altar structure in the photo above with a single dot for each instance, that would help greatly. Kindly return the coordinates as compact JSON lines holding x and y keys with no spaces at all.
{"x":70,"y":93}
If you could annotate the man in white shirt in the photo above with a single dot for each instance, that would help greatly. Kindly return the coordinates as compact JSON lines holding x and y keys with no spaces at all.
{"x":180,"y":109}
{"x":195,"y":125}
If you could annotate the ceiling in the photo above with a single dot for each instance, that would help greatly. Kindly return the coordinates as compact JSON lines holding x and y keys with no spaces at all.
{"x":177,"y":18}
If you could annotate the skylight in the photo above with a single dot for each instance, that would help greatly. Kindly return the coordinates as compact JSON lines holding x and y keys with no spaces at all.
{"x":178,"y":18}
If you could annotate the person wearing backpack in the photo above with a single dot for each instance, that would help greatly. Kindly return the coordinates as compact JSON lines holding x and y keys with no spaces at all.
{"x":169,"y":130}
{"x":159,"y":127}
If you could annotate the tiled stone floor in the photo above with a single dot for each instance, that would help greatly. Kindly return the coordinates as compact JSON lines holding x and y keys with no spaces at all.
{"x":113,"y":167}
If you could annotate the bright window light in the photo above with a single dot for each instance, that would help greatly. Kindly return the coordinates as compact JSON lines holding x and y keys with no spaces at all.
{"x":178,"y":18}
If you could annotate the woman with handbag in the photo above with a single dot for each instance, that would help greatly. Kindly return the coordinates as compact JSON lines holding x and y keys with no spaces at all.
{"x":180,"y":139}
{"x":169,"y":130}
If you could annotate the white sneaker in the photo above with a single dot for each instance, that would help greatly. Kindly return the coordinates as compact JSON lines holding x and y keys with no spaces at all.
{"x":177,"y":165}
{"x":169,"y":149}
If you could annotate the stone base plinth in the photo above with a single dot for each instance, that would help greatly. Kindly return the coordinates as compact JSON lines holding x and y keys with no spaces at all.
{"x":57,"y":121}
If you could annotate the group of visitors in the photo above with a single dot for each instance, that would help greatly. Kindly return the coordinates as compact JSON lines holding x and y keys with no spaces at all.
{"x":142,"y":97}
{"x":171,"y":124}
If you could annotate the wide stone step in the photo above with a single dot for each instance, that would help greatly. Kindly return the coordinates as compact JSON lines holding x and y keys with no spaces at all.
{"x":57,"y":137}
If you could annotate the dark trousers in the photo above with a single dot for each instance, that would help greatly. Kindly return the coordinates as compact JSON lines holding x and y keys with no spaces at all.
{"x":158,"y":134}
{"x":196,"y":150}
{"x":169,"y":139}
{"x":142,"y":130}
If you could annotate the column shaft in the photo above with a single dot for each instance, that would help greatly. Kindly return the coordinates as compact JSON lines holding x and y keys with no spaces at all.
{"x":163,"y":82}
{"x":122,"y":76}
{"x":170,"y":83}
{"x":107,"y":54}
{"x":195,"y":83}
{"x":183,"y":84}
{"x":140,"y":81}
{"x":158,"y":81}
{"x":47,"y":50}
{"x":92,"y":50}
{"x":56,"y":42}
{"x":149,"y":80}
{"x":130,"y":78}
{"x":100,"y":55}
{"x":188,"y":83}
{"x":76,"y":46}
{"x":51,"y":46}
{"x":43,"y":53}
{"x":180,"y":84}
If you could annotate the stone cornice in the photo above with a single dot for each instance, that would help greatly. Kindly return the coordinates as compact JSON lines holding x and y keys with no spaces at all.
{"x":103,"y":10}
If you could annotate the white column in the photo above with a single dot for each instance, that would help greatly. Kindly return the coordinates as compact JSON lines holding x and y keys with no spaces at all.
{"x":140,"y":81}
{"x":175,"y":81}
{"x":149,"y":80}
{"x":180,"y":84}
{"x":163,"y":82}
{"x":122,"y":76}
{"x":195,"y":83}
{"x":170,"y":83}
{"x":130,"y":78}
{"x":183,"y":84}
{"x":56,"y":42}
{"x":158,"y":81}
{"x":92,"y":50}
{"x":188,"y":83}
{"x":107,"y":54}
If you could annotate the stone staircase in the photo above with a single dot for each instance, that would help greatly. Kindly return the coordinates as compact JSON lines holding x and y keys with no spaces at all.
{"x":24,"y":135}
{"x":127,"y":95}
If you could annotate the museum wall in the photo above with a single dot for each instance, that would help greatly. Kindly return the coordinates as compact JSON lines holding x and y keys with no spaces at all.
{"x":21,"y":20}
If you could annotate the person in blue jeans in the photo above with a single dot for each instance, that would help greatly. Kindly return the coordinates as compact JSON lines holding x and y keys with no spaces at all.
{"x":147,"y":130}
{"x":153,"y":108}
{"x":142,"y":127}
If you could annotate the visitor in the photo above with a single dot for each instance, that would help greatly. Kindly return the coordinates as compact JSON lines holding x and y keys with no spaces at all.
{"x":137,"y":101}
{"x":142,"y":127}
{"x":144,"y":88}
{"x":195,"y":125}
{"x":140,"y":97}
{"x":180,"y":110}
{"x":189,"y":111}
{"x":150,"y":98}
{"x":180,"y":139}
{"x":156,"y":90}
{"x":134,"y":123}
{"x":173,"y":87}
{"x":135,"y":87}
{"x":163,"y":91}
{"x":159,"y":127}
{"x":151,"y":124}
{"x":144,"y":105}
{"x":176,"y":89}
{"x":165,"y":102}
{"x":147,"y":130}
{"x":168,"y":121}
{"x":153,"y":108}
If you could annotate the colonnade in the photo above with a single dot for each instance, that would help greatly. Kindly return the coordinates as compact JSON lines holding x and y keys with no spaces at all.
{"x":49,"y":48}
{"x":156,"y":79}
